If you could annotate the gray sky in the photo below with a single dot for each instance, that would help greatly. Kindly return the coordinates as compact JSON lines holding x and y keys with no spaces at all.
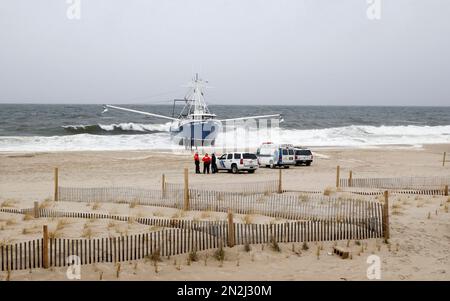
{"x":298,"y":52}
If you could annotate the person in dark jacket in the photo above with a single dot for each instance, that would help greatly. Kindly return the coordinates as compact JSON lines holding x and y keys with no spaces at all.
{"x":206,"y":162}
{"x":197,"y":163}
{"x":213,"y":163}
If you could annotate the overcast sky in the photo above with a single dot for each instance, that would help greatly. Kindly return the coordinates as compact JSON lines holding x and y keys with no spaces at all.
{"x":293,"y":52}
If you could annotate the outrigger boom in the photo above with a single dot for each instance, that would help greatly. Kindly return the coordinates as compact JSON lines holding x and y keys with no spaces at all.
{"x":252,"y":117}
{"x":138,"y":112}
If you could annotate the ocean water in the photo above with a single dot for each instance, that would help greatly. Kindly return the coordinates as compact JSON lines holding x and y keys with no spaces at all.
{"x":25,"y":127}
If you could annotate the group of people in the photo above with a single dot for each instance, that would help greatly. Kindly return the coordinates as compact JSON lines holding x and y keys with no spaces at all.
{"x":207,"y":162}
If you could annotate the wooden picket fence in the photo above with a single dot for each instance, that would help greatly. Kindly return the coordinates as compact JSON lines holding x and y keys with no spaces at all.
{"x":166,"y":242}
{"x":311,"y":217}
{"x":288,"y":206}
{"x":179,"y":236}
{"x":23,"y":255}
{"x":318,"y":209}
{"x":126,"y":195}
{"x":243,"y":188}
{"x":402,"y":185}
{"x":295,"y":207}
{"x":377,"y":192}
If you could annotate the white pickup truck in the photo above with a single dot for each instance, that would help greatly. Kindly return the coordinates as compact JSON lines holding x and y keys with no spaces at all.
{"x":235,"y":162}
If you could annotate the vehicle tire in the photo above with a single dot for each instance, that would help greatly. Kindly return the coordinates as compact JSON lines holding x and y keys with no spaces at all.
{"x":286,"y":166}
{"x":234,"y":169}
{"x":308,"y":163}
{"x":251,"y":171}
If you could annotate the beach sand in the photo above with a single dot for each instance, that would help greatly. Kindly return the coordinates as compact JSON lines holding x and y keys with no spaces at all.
{"x":420,"y":225}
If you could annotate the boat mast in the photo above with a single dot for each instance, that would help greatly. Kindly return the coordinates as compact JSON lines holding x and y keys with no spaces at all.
{"x":196,"y":97}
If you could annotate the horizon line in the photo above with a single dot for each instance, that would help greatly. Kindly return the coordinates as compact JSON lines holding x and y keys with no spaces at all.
{"x":221,"y":104}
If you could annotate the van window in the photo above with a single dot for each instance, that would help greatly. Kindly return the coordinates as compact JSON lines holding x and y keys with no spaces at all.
{"x":223,"y":157}
{"x":285,"y":152}
{"x":303,"y":152}
{"x":249,"y":156}
{"x":291,"y":152}
{"x":237,"y":156}
{"x":230,"y":156}
{"x":265,"y":152}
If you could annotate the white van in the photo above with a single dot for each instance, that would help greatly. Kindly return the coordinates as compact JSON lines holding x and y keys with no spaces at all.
{"x":272,"y":155}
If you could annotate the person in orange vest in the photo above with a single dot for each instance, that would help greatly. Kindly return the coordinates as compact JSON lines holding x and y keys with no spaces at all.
{"x":197,"y":163}
{"x":206,"y":162}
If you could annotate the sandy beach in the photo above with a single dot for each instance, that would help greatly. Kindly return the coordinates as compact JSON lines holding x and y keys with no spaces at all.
{"x":420,"y":225}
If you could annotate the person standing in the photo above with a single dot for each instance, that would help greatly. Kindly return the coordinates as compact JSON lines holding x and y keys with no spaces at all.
{"x":213,"y":163}
{"x":197,"y":163}
{"x":206,"y":161}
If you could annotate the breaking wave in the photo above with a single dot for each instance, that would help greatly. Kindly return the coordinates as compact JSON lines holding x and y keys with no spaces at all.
{"x":120,"y":128}
{"x":156,"y":136}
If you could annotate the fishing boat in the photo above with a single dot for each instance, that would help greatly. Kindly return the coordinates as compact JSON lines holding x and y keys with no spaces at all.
{"x":195,"y":125}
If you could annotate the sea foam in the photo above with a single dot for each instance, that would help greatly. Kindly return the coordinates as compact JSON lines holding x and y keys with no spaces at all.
{"x":352,"y":136}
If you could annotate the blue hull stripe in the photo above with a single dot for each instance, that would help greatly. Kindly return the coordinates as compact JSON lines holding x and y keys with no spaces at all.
{"x":202,"y":130}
